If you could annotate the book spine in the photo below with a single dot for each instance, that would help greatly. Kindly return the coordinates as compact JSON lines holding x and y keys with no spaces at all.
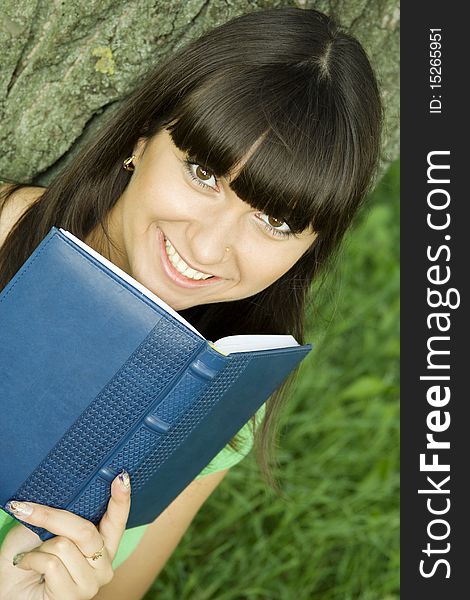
{"x":151,"y":441}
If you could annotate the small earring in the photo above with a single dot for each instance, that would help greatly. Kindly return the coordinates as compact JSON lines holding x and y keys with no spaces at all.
{"x":227,"y":249}
{"x":127,"y":164}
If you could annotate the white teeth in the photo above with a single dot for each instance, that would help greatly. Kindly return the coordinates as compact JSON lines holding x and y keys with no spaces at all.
{"x":181,"y":266}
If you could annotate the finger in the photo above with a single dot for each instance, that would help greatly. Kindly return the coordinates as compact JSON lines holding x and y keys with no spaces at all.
{"x":58,"y":582}
{"x":60,"y":522}
{"x":19,"y":538}
{"x":80,"y":569}
{"x":113,"y":522}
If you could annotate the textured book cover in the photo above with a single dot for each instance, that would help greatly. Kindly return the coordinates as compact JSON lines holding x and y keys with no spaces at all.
{"x":97,"y":374}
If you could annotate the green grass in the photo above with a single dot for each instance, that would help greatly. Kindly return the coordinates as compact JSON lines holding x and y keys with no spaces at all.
{"x":336,"y":536}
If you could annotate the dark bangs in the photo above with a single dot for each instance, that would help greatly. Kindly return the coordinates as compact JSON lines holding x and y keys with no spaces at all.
{"x":303,"y":166}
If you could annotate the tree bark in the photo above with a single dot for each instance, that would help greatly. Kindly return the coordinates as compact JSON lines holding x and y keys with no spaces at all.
{"x":66,"y":65}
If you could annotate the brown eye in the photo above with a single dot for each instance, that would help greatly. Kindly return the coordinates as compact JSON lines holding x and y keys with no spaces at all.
{"x":275,"y":222}
{"x":203,"y":173}
{"x":274,"y":226}
{"x":200,"y":174}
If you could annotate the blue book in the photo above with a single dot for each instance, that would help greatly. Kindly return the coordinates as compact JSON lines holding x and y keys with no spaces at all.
{"x":98,"y":374}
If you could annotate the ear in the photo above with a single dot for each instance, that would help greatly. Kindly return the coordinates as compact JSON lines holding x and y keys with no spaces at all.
{"x":139,"y":148}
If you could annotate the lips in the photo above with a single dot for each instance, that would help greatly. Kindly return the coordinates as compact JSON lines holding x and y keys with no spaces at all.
{"x":177,"y":277}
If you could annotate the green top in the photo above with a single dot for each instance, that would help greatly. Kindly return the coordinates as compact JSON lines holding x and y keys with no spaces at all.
{"x":227,"y":457}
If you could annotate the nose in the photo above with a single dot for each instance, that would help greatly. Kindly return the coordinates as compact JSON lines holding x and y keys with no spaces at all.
{"x":210,"y":238}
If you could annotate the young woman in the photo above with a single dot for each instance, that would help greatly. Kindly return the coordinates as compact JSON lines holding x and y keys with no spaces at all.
{"x":224,"y":184}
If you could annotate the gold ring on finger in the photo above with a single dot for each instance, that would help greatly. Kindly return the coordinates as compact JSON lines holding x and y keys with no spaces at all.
{"x":96,"y":555}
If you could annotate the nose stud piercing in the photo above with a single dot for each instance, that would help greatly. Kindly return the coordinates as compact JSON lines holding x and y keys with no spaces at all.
{"x":127,"y":164}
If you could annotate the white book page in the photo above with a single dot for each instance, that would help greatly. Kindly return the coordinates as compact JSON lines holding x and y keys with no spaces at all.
{"x":247,"y":343}
{"x":138,"y":286}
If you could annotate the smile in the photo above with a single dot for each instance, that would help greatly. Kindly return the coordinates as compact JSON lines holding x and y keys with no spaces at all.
{"x":178,"y":269}
{"x":180,"y":265}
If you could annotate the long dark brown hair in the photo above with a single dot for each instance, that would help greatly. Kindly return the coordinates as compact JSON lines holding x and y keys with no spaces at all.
{"x":289,"y":79}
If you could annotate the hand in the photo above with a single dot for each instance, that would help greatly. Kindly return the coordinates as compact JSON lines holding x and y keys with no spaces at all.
{"x":58,"y":568}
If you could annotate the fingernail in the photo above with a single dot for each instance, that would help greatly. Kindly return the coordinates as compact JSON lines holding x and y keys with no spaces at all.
{"x":20,"y":509}
{"x":125,"y":479}
{"x":17,"y":558}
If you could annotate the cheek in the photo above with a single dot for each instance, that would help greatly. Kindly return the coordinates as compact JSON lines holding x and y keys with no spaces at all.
{"x":170,"y":201}
{"x":269,"y":266}
{"x":156,"y":192}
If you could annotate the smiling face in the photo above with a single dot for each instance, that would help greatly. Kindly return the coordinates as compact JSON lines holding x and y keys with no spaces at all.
{"x":185,"y":235}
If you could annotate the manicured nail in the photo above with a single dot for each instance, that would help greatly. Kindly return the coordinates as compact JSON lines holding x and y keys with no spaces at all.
{"x":17,"y":558}
{"x":125,"y":479}
{"x":20,"y":509}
